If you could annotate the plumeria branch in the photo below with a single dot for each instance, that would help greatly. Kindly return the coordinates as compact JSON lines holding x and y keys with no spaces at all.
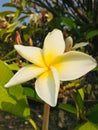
{"x":18,"y":42}
{"x":46,"y":117}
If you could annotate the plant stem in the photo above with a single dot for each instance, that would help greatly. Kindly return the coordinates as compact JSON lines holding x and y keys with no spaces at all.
{"x":46,"y":117}
{"x":33,"y":124}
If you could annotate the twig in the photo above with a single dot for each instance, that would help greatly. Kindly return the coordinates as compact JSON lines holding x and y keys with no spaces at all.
{"x":46,"y":117}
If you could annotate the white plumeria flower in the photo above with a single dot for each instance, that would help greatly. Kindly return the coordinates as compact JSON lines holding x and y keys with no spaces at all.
{"x":50,"y":65}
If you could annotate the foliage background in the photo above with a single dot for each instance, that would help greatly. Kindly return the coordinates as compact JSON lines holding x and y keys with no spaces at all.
{"x":32,"y":20}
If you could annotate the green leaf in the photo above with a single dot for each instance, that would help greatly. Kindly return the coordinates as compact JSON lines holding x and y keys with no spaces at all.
{"x":8,"y":54}
{"x":8,"y":31}
{"x":31,"y":93}
{"x":93,"y":114}
{"x":91,"y":34}
{"x":96,"y":69}
{"x":14,"y":66}
{"x":2,"y":32}
{"x":79,"y":100}
{"x":4,"y":13}
{"x":87,"y":126}
{"x":17,"y":14}
{"x":9,"y":5}
{"x":12,"y":27}
{"x":23,"y":3}
{"x":81,"y":92}
{"x":26,"y":37}
{"x":12,"y":99}
{"x":22,"y":18}
{"x":5,"y":73}
{"x":68,"y":107}
{"x":15,"y":105}
{"x":68,"y":22}
{"x":7,"y":36}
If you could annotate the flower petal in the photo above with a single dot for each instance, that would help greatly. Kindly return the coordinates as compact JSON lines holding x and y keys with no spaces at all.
{"x":25,"y":74}
{"x":69,"y":43}
{"x":32,"y":54}
{"x":79,"y":45}
{"x":73,"y":65}
{"x":47,"y":86}
{"x":53,"y":45}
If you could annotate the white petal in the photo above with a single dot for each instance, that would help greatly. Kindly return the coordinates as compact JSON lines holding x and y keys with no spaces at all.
{"x":73,"y":65}
{"x":32,"y":54}
{"x":25,"y":74}
{"x":69,"y":43}
{"x":53,"y":45}
{"x":79,"y":45}
{"x":47,"y":86}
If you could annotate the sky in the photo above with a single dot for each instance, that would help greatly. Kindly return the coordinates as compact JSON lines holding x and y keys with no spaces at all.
{"x":4,"y":8}
{"x":7,"y":8}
